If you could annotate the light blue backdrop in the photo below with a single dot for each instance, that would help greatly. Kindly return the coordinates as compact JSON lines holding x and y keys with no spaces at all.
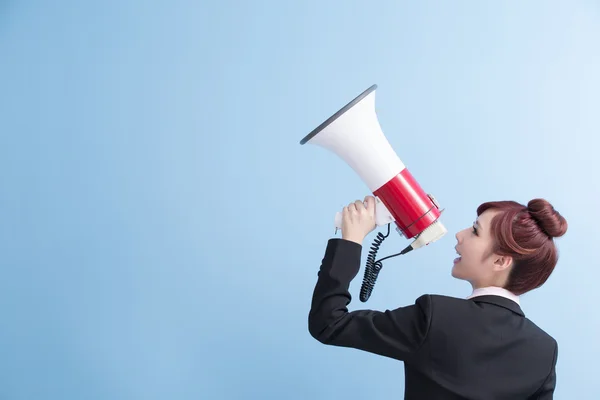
{"x":161,"y":228}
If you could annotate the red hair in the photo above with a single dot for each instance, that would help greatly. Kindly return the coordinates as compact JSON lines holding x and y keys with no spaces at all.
{"x":526,"y":234}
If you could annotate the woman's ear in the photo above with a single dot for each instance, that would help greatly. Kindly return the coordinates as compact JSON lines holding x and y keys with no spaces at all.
{"x":502,"y":263}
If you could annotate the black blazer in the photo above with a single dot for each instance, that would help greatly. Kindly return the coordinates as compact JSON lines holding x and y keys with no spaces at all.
{"x":482,"y":348}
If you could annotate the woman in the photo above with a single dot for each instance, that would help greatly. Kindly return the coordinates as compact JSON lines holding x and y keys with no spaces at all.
{"x":482,"y":347}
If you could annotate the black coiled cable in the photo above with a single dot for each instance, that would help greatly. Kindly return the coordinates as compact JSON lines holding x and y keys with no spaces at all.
{"x":373,"y":267}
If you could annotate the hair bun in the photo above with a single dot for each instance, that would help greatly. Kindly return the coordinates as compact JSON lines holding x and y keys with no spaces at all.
{"x":548,"y":219}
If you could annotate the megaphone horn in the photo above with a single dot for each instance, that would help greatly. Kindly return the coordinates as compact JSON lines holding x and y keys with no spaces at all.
{"x":355,"y":135}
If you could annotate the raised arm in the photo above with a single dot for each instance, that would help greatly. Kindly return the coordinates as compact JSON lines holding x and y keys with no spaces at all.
{"x":394,"y":333}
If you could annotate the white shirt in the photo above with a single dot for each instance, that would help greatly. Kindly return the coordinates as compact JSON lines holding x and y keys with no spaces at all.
{"x":495,"y":291}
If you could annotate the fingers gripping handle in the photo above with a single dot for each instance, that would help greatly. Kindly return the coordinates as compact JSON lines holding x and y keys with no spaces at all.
{"x":382,"y":215}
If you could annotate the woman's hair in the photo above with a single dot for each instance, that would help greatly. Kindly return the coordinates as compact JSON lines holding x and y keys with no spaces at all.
{"x":526,"y":233}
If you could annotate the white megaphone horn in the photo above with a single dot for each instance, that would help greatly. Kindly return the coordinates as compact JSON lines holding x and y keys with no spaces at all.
{"x":354,"y":134}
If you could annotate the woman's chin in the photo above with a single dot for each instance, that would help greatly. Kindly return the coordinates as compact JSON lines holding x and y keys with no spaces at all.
{"x":456,"y":270}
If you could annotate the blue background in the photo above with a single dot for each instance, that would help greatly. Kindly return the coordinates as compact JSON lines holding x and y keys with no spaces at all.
{"x":161,"y":228}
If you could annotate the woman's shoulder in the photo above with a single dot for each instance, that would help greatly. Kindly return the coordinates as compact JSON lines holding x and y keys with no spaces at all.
{"x":451,"y":308}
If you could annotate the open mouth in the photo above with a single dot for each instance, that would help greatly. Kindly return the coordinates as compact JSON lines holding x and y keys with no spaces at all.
{"x":457,"y":259}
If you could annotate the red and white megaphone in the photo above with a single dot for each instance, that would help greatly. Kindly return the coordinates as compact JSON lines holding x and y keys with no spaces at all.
{"x":354,"y":134}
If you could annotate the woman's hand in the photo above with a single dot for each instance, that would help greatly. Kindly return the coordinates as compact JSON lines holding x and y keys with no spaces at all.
{"x":358,"y":220}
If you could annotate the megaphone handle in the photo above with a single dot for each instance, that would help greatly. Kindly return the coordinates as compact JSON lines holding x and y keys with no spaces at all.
{"x":382,"y":215}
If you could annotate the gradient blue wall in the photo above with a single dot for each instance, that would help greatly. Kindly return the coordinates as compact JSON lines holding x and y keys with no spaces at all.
{"x":161,"y":228}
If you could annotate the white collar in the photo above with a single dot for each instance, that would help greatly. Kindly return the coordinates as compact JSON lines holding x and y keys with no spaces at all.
{"x":495,"y":291}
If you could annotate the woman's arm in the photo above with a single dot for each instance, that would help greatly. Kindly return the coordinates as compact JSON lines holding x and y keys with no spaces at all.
{"x":546,"y":392}
{"x":392,"y":333}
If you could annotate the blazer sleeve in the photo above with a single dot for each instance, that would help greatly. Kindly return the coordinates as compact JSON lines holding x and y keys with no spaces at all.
{"x":394,"y":333}
{"x":546,"y":392}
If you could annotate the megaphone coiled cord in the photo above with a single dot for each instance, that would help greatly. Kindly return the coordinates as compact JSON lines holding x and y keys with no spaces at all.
{"x":373,"y":266}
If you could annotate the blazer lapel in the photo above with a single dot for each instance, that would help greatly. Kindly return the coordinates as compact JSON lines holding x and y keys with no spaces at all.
{"x":501,"y":302}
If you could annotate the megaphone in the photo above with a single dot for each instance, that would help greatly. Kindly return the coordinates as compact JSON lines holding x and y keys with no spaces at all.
{"x":355,"y":135}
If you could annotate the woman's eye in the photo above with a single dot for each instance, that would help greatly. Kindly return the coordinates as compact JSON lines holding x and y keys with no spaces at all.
{"x":475,"y":230}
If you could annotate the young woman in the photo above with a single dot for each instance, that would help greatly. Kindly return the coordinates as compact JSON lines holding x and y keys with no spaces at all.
{"x":481,"y":347}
